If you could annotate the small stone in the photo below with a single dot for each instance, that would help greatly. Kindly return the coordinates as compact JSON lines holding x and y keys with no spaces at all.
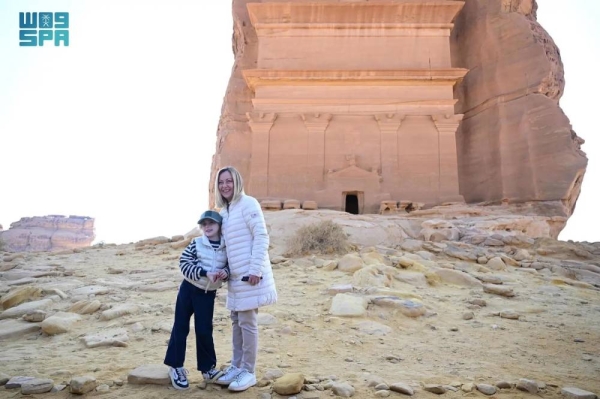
{"x":486,"y":389}
{"x":82,"y":385}
{"x":527,"y":385}
{"x":58,"y":388}
{"x":402,"y":388}
{"x":382,"y":394}
{"x":289,"y":384}
{"x":35,"y":316}
{"x":382,"y":386}
{"x":150,"y":374}
{"x":343,"y":389}
{"x":3,"y":379}
{"x":16,"y":382}
{"x":468,"y":387}
{"x":510,"y":314}
{"x":37,"y":385}
{"x":478,"y":302}
{"x":102,"y":388}
{"x":576,"y":393}
{"x":504,"y":385}
{"x":468,"y":315}
{"x":434,"y":388}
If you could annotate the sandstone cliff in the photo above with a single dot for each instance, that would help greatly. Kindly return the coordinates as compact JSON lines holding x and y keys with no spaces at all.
{"x":514,"y":145}
{"x":48,"y":233}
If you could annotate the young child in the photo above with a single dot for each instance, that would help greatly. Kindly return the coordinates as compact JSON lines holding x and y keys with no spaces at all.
{"x":204,"y":267}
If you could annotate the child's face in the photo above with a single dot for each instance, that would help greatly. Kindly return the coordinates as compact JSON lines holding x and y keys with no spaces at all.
{"x":210,"y":228}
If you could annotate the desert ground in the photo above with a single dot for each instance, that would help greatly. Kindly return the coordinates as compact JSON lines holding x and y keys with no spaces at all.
{"x":446,"y":316}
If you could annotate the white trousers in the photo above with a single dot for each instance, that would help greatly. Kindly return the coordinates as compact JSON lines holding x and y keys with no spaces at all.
{"x":245,"y":339}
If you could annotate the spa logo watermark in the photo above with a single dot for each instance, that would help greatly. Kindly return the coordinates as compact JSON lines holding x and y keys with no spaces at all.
{"x":39,"y":28}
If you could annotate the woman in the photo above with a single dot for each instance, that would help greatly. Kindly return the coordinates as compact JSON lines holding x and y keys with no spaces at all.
{"x":251,"y":283}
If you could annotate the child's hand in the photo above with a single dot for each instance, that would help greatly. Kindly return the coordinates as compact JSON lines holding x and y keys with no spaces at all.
{"x":222,"y":274}
{"x":213,"y":277}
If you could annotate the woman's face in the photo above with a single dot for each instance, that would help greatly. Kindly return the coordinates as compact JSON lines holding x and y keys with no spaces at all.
{"x":226,"y":185}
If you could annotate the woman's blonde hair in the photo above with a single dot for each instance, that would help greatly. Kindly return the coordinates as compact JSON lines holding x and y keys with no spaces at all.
{"x":238,"y":186}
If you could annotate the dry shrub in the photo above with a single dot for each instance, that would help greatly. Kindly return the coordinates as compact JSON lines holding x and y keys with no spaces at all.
{"x":324,"y":237}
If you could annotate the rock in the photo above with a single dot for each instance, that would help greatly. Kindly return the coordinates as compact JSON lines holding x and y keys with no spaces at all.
{"x":24,"y":308}
{"x":273,"y":374}
{"x":343,"y":389}
{"x":510,"y":314}
{"x":91,"y":290}
{"x":402,"y":388}
{"x":457,"y":277}
{"x":310,"y":205}
{"x":468,"y":315}
{"x":528,"y":385}
{"x":19,"y":295}
{"x":576,"y":393}
{"x":49,"y":233}
{"x":150,"y":374}
{"x":407,"y":307}
{"x":35,"y":316}
{"x":16,"y":328}
{"x":102,"y":388}
{"x":410,"y":245}
{"x":154,"y":241}
{"x":116,"y":337}
{"x":373,"y":276}
{"x":496,"y":263}
{"x":504,"y":385}
{"x":291,"y":204}
{"x":82,"y":385}
{"x":382,"y":393}
{"x":373,"y":328}
{"x":434,"y":388}
{"x":119,"y":311}
{"x":60,"y":323}
{"x":348,"y":305}
{"x":3,"y":379}
{"x":37,"y":385}
{"x":468,"y":387}
{"x":413,"y":278}
{"x":350,"y":263}
{"x":289,"y":384}
{"x":486,"y":389}
{"x":339,"y":289}
{"x":16,"y":382}
{"x":85,"y":307}
{"x":478,"y":302}
{"x":498,"y":290}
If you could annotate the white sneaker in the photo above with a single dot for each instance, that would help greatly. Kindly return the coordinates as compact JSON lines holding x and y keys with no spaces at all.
{"x":243,"y":381}
{"x":229,"y":376}
{"x":212,"y":375}
{"x":179,"y":378}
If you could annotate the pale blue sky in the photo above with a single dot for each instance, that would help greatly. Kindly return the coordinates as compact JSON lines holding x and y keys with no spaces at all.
{"x":121,"y":125}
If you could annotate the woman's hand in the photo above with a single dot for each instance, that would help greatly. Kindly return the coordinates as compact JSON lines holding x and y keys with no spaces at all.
{"x":253,"y":280}
{"x":213,"y":276}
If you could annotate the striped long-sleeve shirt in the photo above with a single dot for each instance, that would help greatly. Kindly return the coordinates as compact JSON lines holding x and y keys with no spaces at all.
{"x":201,"y":257}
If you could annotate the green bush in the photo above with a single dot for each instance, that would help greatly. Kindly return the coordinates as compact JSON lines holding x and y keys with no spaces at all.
{"x":324,"y":237}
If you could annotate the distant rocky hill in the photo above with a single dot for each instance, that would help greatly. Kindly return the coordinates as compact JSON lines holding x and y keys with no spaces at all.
{"x":48,"y":233}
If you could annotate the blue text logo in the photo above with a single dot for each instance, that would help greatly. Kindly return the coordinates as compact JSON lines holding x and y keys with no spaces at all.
{"x":37,"y":28}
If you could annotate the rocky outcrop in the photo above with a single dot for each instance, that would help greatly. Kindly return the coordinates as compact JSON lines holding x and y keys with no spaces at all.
{"x":515,"y":144}
{"x":48,"y":233}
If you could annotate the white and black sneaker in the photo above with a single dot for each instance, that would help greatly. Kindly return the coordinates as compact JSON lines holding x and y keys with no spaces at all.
{"x":212,"y":375}
{"x":229,"y":376}
{"x":179,"y":377}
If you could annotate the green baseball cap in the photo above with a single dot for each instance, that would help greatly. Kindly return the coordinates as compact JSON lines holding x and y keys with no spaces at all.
{"x":212,"y":215}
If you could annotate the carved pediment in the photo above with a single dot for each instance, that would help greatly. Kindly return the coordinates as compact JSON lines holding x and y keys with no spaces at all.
{"x":352,"y":172}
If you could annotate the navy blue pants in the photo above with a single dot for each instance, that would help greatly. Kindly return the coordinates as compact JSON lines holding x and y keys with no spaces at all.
{"x":193,"y":300}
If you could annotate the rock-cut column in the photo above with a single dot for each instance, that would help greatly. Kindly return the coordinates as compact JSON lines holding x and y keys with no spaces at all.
{"x":261,"y":124}
{"x":316,"y":124}
{"x":446,"y":126}
{"x":388,"y":126}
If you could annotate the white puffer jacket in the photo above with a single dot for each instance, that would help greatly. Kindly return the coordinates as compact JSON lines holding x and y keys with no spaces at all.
{"x":245,"y":231}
